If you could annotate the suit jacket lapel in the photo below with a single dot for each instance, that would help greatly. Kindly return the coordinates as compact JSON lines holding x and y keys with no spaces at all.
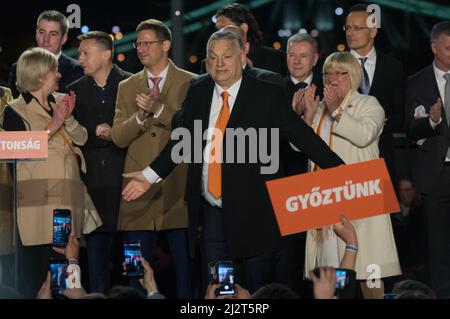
{"x":169,"y":79}
{"x":143,"y":81}
{"x":242,"y":99}
{"x":377,"y":76}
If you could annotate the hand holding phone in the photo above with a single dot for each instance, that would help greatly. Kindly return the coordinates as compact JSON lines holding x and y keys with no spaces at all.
{"x":133,"y":259}
{"x":225,"y":278}
{"x":58,"y":273}
{"x":62,"y":226}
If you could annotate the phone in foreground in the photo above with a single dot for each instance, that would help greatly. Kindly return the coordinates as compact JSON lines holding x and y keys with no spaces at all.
{"x":58,"y":273}
{"x":345,"y":282}
{"x":225,"y":277}
{"x":62,"y":226}
{"x":133,"y":259}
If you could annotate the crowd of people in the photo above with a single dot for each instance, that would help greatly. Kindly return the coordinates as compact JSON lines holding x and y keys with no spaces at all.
{"x":111,"y":162}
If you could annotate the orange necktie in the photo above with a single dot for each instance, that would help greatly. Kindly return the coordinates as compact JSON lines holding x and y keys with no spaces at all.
{"x":215,"y":156}
{"x":319,"y":129}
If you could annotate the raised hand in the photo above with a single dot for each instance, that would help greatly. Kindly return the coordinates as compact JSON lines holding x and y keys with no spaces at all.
{"x":71,"y":100}
{"x":148,"y":103}
{"x":435,"y":111}
{"x":297,"y":103}
{"x":325,"y":286}
{"x":345,"y":231}
{"x":72,"y":249}
{"x":60,"y":111}
{"x":311,"y":103}
{"x":331,"y":98}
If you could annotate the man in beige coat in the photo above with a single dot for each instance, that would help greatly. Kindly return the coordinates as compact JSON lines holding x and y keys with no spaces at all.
{"x":145,"y":105}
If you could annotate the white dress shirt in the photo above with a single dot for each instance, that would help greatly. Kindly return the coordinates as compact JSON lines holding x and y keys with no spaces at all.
{"x":163,"y":75}
{"x":216,"y":106}
{"x":440,"y":81}
{"x":58,"y":55}
{"x":370,"y":62}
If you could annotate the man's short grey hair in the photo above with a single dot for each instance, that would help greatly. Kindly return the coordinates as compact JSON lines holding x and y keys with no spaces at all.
{"x":440,"y":29}
{"x":303,"y":37}
{"x":225,"y":35}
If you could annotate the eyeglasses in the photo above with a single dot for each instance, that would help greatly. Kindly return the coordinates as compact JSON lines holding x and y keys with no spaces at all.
{"x":145,"y":44}
{"x":353,"y":28}
{"x":328,"y":75}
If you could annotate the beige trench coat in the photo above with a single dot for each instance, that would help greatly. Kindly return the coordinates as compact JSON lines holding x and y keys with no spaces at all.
{"x":355,"y":139}
{"x":163,"y":207}
{"x":53,"y":183}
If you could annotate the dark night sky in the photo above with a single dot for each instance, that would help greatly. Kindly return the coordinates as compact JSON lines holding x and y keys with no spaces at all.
{"x":19,"y":17}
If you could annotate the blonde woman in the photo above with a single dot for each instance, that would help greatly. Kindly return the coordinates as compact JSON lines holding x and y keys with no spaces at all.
{"x":350,"y":123}
{"x":51,"y":183}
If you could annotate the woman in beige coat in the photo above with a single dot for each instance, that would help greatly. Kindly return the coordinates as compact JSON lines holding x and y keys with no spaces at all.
{"x":350,"y":123}
{"x":52,"y":183}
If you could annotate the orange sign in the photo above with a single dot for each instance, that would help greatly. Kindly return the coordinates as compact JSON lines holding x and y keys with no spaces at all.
{"x":317,"y":199}
{"x":24,"y":145}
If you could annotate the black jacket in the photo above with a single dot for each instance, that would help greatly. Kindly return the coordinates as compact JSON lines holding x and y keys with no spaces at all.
{"x":104,"y":160}
{"x":388,"y":86}
{"x":251,"y":227}
{"x":295,"y":162}
{"x":422,"y":89}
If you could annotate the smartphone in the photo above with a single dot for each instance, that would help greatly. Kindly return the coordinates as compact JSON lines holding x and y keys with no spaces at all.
{"x":342,"y":277}
{"x":225,"y":278}
{"x":133,"y":259}
{"x":58,"y":272}
{"x":62,"y":226}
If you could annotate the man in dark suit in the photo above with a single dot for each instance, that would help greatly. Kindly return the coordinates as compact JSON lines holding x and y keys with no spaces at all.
{"x":51,"y":34}
{"x":95,"y":108}
{"x":428,"y":118}
{"x":382,"y":77}
{"x":259,"y":55}
{"x":301,"y":57}
{"x":229,"y":200}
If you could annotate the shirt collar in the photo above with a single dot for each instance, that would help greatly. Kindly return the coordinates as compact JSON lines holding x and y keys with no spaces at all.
{"x":58,"y":55}
{"x":163,"y":74}
{"x":439,"y":73}
{"x":371,"y":56}
{"x":232,"y":90}
{"x":111,"y":76}
{"x":308,"y":80}
{"x":28,"y":97}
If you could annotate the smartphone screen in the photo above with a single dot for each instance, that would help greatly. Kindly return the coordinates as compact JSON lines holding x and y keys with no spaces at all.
{"x":58,"y":272}
{"x":225,"y":277}
{"x":62,"y":225}
{"x":341,"y":278}
{"x":133,"y":259}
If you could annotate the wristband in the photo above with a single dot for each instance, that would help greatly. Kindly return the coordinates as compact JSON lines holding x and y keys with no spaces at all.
{"x":72,"y":261}
{"x":352,"y":248}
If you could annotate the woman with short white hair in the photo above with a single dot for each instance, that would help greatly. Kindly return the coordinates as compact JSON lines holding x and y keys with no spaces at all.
{"x":350,"y":123}
{"x":52,"y":183}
